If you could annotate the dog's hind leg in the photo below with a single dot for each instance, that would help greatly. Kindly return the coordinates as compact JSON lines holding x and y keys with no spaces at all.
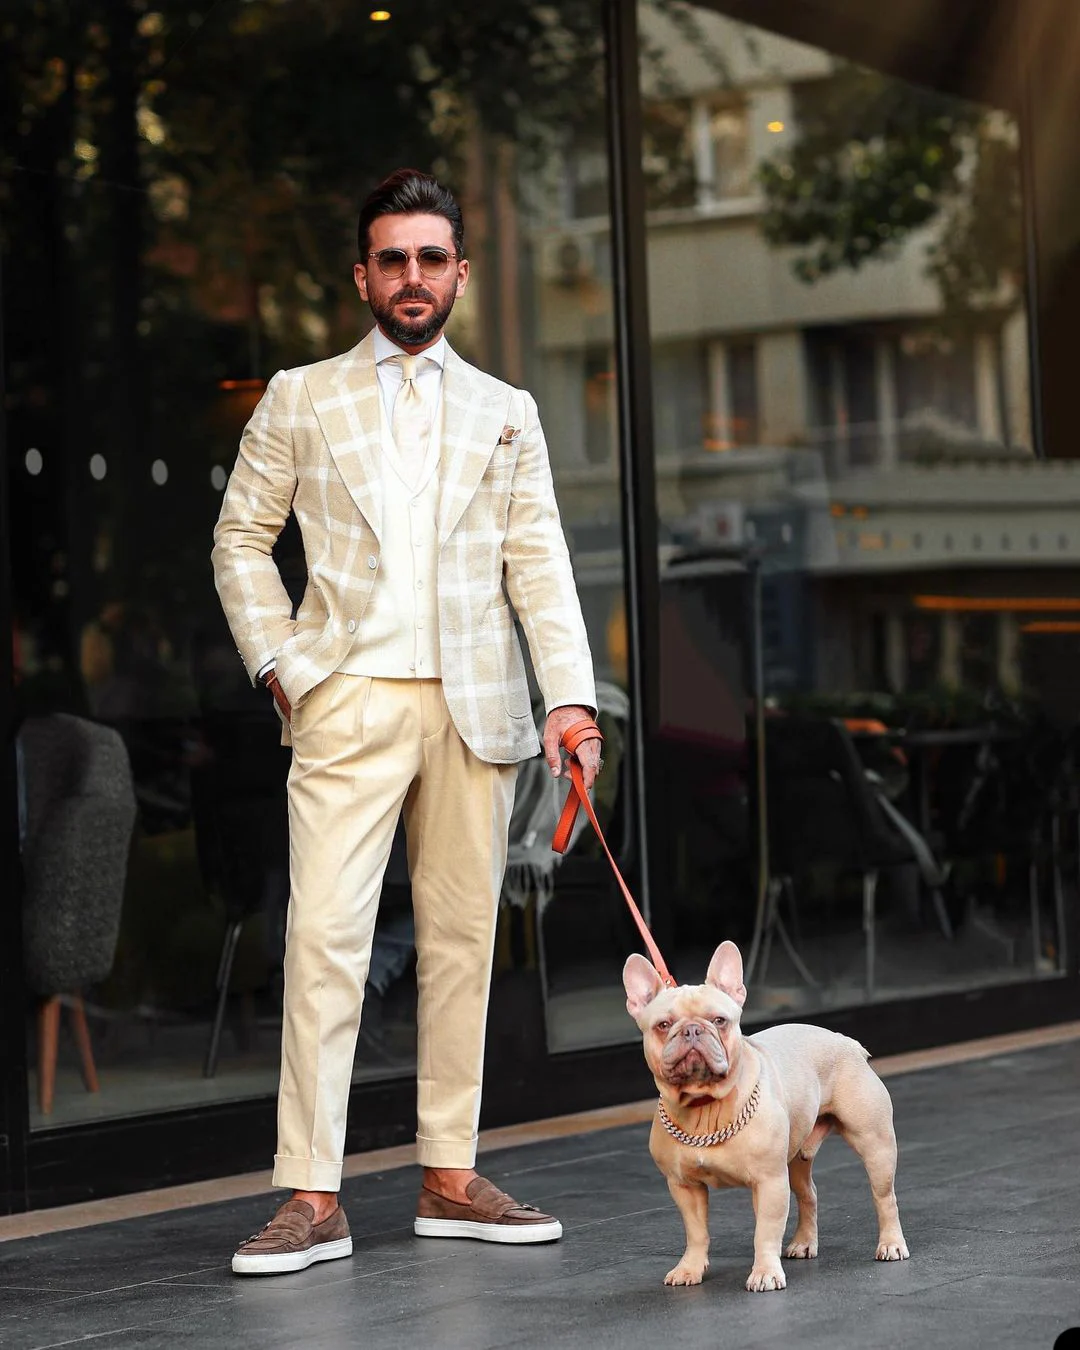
{"x":867,"y":1125}
{"x":805,"y":1242}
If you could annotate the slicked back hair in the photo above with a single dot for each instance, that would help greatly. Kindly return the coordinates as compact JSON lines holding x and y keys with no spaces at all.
{"x":409,"y":192}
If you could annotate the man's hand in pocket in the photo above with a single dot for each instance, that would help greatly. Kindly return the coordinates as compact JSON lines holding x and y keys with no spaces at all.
{"x":270,"y":680}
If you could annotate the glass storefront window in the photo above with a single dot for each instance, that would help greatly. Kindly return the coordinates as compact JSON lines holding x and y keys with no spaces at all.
{"x":870,"y":637}
{"x":181,"y":225}
{"x":846,"y":484}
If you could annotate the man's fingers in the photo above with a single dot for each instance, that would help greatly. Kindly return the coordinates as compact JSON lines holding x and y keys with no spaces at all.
{"x":551,"y":749}
{"x":587,"y":753}
{"x":588,"y":756}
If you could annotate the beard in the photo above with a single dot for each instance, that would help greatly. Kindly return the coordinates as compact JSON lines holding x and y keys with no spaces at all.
{"x":408,"y":332}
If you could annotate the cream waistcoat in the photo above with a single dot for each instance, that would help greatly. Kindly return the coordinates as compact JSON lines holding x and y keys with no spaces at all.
{"x":397,"y":637}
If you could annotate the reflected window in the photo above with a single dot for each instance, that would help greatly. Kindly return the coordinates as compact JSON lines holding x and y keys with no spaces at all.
{"x":681,"y":393}
{"x":725,"y":153}
{"x":742,"y":384}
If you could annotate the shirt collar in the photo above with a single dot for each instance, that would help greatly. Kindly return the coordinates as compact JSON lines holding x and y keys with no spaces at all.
{"x":385,"y":349}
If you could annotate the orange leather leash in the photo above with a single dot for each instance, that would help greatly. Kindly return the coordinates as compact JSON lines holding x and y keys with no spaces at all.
{"x":577,"y":798}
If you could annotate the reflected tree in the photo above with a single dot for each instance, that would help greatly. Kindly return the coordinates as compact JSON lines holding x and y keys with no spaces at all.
{"x":875,"y":161}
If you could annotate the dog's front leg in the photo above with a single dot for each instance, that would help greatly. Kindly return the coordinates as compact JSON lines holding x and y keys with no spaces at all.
{"x":693,"y":1202}
{"x":772,"y":1196}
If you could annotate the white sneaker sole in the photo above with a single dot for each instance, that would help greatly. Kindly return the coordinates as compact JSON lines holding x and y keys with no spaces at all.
{"x":488,"y":1232}
{"x":273,"y":1264}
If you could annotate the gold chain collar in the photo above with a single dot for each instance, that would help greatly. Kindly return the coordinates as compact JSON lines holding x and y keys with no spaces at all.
{"x":729,"y":1131}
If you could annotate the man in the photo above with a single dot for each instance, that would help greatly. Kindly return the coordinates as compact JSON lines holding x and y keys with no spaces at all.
{"x":421,"y":485}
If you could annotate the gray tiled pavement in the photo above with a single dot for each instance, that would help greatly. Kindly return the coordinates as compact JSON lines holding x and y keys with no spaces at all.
{"x":989,"y":1189}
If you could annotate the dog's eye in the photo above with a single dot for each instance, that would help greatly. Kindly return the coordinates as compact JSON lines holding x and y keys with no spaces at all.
{"x":720,"y":1021}
{"x":663,"y":1026}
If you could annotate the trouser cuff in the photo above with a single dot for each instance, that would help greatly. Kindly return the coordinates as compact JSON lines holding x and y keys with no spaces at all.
{"x":306,"y":1174}
{"x":445,"y":1152}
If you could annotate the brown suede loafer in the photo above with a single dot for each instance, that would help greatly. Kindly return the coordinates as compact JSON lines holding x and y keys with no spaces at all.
{"x":490,"y":1216}
{"x":292,"y":1240}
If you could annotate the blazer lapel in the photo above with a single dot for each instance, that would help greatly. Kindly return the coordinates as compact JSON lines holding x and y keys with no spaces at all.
{"x":472,"y":424}
{"x":345,"y":397}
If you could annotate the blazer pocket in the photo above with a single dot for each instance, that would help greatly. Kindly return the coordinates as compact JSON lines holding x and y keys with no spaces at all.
{"x":510,"y":663}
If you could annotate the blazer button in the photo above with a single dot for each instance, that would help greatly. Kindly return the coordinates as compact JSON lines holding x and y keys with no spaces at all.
{"x":372,"y":561}
{"x":351,"y":625}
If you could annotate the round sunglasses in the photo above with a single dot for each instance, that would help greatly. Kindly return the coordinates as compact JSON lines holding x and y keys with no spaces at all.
{"x":393,"y":261}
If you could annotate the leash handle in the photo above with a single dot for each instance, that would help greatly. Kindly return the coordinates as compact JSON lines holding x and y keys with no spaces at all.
{"x":578,"y":798}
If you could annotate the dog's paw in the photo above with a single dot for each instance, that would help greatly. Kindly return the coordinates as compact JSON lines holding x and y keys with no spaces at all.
{"x":686,"y":1272}
{"x":798,"y":1250}
{"x":894,"y":1250}
{"x":764,"y":1278}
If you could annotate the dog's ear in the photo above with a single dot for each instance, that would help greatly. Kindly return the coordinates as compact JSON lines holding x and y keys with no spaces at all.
{"x":726,"y":973}
{"x":642,"y":984}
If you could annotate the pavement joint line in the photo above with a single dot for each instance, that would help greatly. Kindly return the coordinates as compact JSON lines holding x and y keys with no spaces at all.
{"x":142,"y":1204}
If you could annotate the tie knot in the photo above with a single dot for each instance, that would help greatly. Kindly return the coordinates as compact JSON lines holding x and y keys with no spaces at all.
{"x":408,"y":366}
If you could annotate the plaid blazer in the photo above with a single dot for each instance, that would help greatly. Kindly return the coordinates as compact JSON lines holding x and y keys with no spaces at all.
{"x":313,"y":446}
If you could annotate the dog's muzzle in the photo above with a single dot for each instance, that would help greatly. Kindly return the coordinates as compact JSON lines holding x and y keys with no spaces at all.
{"x":694,"y":1053}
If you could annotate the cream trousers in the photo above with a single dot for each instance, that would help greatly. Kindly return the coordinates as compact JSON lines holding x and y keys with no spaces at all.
{"x":364,"y":748}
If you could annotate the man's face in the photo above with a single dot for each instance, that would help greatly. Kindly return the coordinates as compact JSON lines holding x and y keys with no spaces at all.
{"x":411,"y":309}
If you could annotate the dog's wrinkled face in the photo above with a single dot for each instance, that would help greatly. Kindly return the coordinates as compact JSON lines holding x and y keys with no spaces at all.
{"x":691,"y":1033}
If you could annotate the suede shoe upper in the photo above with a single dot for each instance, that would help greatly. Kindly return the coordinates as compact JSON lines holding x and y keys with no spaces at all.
{"x":487,"y":1204}
{"x":293,"y":1229}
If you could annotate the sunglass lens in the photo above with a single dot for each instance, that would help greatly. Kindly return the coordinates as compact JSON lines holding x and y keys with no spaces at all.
{"x":433,"y":262}
{"x":392,"y":261}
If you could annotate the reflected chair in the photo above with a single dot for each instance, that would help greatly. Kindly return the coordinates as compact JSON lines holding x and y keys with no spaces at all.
{"x":1007,"y":800}
{"x":823,"y":811}
{"x":80,"y":813}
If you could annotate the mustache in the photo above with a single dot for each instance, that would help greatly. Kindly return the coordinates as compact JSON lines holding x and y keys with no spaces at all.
{"x":408,"y":293}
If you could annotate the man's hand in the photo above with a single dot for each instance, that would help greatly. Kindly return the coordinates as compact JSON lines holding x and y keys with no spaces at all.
{"x":270,"y":681}
{"x":588,"y":752}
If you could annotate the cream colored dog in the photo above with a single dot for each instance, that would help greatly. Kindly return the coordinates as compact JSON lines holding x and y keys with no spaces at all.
{"x":753,"y":1111}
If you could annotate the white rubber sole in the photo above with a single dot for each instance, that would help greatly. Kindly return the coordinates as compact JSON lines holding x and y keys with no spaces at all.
{"x":488,"y":1232}
{"x":288,"y":1261}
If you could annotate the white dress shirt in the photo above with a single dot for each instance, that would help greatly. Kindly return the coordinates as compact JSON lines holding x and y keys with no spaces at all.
{"x":429,"y":373}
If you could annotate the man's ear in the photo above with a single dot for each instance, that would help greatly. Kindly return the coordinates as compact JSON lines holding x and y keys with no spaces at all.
{"x":726,"y":972}
{"x":642,"y":984}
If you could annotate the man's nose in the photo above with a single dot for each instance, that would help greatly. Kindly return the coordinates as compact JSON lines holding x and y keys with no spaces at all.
{"x":412,"y":274}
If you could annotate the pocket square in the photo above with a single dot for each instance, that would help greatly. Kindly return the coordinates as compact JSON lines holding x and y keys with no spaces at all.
{"x":509,"y":435}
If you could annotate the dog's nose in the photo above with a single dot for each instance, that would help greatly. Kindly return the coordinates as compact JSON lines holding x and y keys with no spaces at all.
{"x":692,"y":1031}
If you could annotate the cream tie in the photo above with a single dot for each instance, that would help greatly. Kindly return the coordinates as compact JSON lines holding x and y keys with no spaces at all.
{"x":410,"y":424}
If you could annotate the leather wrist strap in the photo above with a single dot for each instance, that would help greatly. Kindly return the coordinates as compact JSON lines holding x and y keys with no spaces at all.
{"x":578,"y":798}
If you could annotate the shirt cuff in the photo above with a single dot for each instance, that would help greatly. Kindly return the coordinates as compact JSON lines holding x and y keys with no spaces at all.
{"x":264,"y":669}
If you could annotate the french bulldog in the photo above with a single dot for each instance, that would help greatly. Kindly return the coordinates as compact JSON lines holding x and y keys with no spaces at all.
{"x":753,"y":1111}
